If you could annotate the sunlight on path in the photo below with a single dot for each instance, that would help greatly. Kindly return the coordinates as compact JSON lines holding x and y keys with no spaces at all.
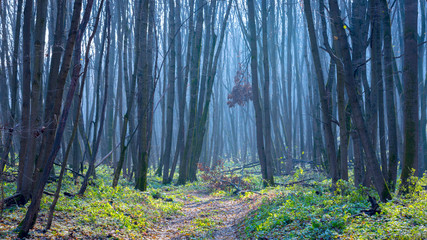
{"x":206,"y":216}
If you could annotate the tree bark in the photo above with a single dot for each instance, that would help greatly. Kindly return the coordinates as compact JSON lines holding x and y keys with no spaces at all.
{"x":194,"y":86}
{"x":389,"y":93}
{"x":181,"y":90}
{"x":26,"y":92}
{"x":266,"y":111}
{"x":267,"y":179}
{"x":171,"y":94}
{"x":326,"y":117}
{"x":97,"y":140}
{"x":146,"y":93}
{"x":410,"y":92}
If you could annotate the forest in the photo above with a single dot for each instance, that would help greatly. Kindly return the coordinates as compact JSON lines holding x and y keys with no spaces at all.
{"x":213,"y":119}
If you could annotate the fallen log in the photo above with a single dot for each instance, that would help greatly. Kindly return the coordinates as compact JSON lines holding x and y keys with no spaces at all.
{"x":249,"y":165}
{"x":15,"y":200}
{"x":293,"y":183}
{"x":48,"y":193}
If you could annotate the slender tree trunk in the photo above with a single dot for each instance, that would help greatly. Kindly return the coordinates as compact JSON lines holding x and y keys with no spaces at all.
{"x":326,"y":117}
{"x":54,"y":89}
{"x":92,"y":160}
{"x":377,"y":96}
{"x":171,"y":94}
{"x":194,"y":86}
{"x":145,"y":90}
{"x":266,"y":110}
{"x":181,"y":89}
{"x":289,"y":143}
{"x":389,"y":92}
{"x":268,"y":179}
{"x":7,"y":112}
{"x":410,"y":89}
{"x":358,"y":38}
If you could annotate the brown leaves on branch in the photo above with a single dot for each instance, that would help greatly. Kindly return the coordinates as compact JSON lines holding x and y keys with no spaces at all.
{"x":242,"y":90}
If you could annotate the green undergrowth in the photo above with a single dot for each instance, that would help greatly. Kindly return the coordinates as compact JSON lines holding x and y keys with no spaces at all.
{"x":103,"y":212}
{"x":307,"y":209}
{"x":312,"y":211}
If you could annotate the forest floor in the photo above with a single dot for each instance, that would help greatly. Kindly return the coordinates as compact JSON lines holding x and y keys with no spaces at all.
{"x":207,"y":215}
{"x":194,"y":211}
{"x":211,"y":209}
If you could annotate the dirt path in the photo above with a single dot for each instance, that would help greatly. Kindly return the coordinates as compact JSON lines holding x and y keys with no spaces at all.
{"x":206,"y":216}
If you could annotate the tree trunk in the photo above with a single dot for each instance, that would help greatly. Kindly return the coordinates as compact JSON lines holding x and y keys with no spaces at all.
{"x":171,"y":94}
{"x":145,"y":91}
{"x":358,"y":38}
{"x":377,"y":96}
{"x":266,"y":111}
{"x":181,"y":89}
{"x":410,"y":92}
{"x":268,"y":179}
{"x":97,"y":140}
{"x":389,"y":93}
{"x":289,"y":132}
{"x":194,"y":86}
{"x":326,"y":117}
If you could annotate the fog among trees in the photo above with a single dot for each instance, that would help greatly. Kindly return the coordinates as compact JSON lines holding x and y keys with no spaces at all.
{"x":166,"y":91}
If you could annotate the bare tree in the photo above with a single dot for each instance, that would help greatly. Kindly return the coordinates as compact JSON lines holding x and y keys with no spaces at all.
{"x":410,"y":89}
{"x":267,"y":174}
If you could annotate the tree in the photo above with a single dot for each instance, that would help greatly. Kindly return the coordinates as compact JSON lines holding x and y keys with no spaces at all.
{"x":194,"y":86}
{"x":181,"y":89}
{"x":327,"y":126}
{"x":389,"y":93}
{"x":410,"y":89}
{"x":267,"y":172}
{"x":266,"y":110}
{"x":25,"y":112}
{"x":170,"y":94}
{"x":144,"y":72}
{"x":97,"y":139}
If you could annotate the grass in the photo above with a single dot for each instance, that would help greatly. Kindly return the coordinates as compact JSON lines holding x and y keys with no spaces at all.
{"x":103,"y":212}
{"x":312,"y":213}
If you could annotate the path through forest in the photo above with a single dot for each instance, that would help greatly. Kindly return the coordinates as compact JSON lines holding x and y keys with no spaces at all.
{"x":207,"y":216}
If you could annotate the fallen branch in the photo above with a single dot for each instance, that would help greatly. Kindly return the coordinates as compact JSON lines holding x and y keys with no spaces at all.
{"x":249,"y":165}
{"x":293,"y":183}
{"x":69,"y":169}
{"x":48,"y":193}
{"x":67,"y":194}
